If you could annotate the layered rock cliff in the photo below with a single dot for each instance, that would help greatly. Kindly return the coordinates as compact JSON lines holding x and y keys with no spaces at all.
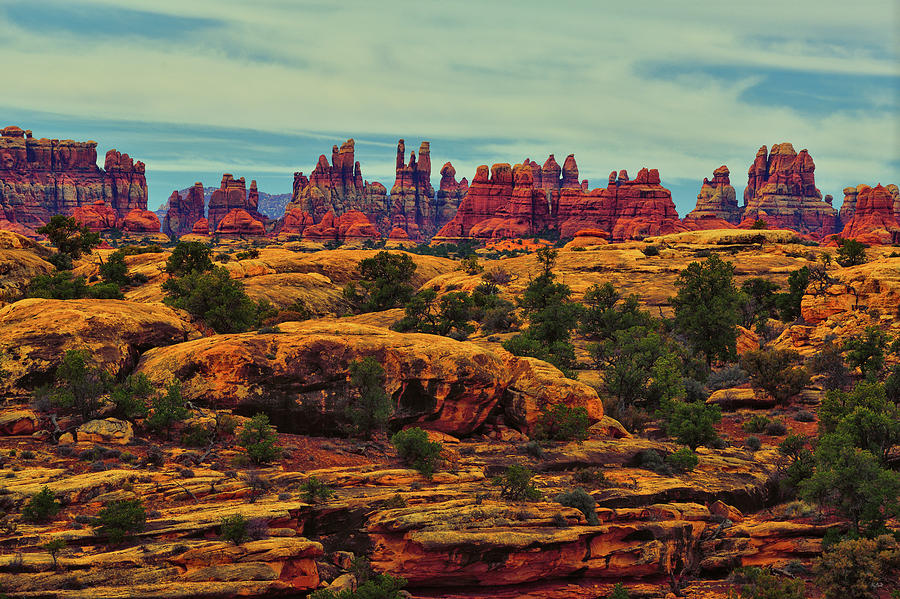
{"x":43,"y":177}
{"x":874,"y":219}
{"x":781,"y":191}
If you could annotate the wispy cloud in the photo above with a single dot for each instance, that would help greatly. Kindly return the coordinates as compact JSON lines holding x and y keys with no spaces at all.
{"x":680,"y":87}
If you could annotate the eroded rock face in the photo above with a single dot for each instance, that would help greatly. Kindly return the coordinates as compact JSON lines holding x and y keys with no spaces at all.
{"x":873,"y":219}
{"x":140,"y":221}
{"x":412,"y":196}
{"x":232,"y":195}
{"x":43,"y":177}
{"x":96,"y":216}
{"x":21,"y":259}
{"x":299,"y":376}
{"x":37,"y":332}
{"x":781,"y":190}
{"x":239,"y":222}
{"x":182,"y":213}
{"x":716,"y":201}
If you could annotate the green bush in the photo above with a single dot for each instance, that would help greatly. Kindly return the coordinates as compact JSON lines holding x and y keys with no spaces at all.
{"x":41,"y":507}
{"x":850,"y":252}
{"x":416,"y":450}
{"x":168,"y":410}
{"x":756,"y":424}
{"x":371,"y":410}
{"x":650,"y":459}
{"x":130,"y":399}
{"x":69,"y":236}
{"x":120,"y":518}
{"x":448,"y":316}
{"x":693,"y":424}
{"x":380,"y":586}
{"x":516,"y":484}
{"x":756,"y":583}
{"x":753,"y":443}
{"x":866,"y":352}
{"x":859,"y":569}
{"x":216,"y":298}
{"x":314,"y":490}
{"x":562,"y":423}
{"x":774,"y":371}
{"x":581,"y":500}
{"x":188,"y":257}
{"x":66,"y":286}
{"x":386,"y":282}
{"x":78,"y":388}
{"x":788,"y":303}
{"x":683,"y":460}
{"x":114,"y":270}
{"x":234,"y":529}
{"x":651,"y":250}
{"x":258,"y":439}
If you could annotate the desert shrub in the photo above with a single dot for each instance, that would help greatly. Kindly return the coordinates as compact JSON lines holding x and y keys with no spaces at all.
{"x":120,"y":518}
{"x":534,"y":449}
{"x":61,"y":261}
{"x":650,"y":459}
{"x":756,"y":424}
{"x":386,"y":282}
{"x":758,"y":301}
{"x":471,"y":266}
{"x":314,"y":489}
{"x":551,"y":315}
{"x":78,"y":388}
{"x":448,"y":316}
{"x":167,"y":410}
{"x":726,"y":378}
{"x":53,"y":548}
{"x":515,"y":484}
{"x":188,"y":257}
{"x":379,"y":586}
{"x":417,"y":450}
{"x":788,"y":303}
{"x":581,"y":500}
{"x":130,"y":399}
{"x":776,"y":428}
{"x":64,"y":285}
{"x":216,"y":298}
{"x":234,"y":529}
{"x":866,"y":352}
{"x":114,"y":270}
{"x":248,"y":254}
{"x":850,"y":252}
{"x":859,"y":568}
{"x":41,"y":507}
{"x":562,"y":423}
{"x":892,"y":384}
{"x":395,"y":501}
{"x":592,"y":478}
{"x":497,"y":275}
{"x":499,"y":318}
{"x":371,"y":410}
{"x":694,"y":391}
{"x":753,"y":443}
{"x":706,"y":308}
{"x":804,"y":416}
{"x":69,"y":236}
{"x":618,"y":592}
{"x":830,"y":363}
{"x":651,"y":250}
{"x":198,"y":435}
{"x":756,"y":583}
{"x":774,"y":371}
{"x":864,"y":416}
{"x":693,"y":424}
{"x":258,"y":439}
{"x":683,"y":460}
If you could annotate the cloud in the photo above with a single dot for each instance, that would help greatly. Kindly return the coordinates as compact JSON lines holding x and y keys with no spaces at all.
{"x":675,"y":86}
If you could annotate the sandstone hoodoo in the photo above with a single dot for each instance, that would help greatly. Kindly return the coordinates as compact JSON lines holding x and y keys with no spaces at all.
{"x":232,"y":195}
{"x":43,"y":177}
{"x":781,"y":191}
{"x":412,"y":196}
{"x":717,"y":205}
{"x":183,"y":212}
{"x":873,"y":217}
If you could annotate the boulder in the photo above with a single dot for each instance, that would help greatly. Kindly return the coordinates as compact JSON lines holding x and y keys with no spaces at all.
{"x":109,"y":430}
{"x":18,"y":422}
{"x":239,"y":222}
{"x":140,"y":221}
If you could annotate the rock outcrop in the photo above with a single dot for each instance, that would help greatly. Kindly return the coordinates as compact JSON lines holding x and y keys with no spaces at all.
{"x":412,"y":196}
{"x":781,"y":191}
{"x":239,"y":222}
{"x":43,"y":177}
{"x":873,"y":217}
{"x":435,"y":382}
{"x":233,"y":195}
{"x":183,"y":212}
{"x":97,"y":216}
{"x":352,"y":225}
{"x":336,"y":187}
{"x":449,"y":195}
{"x":140,"y":221}
{"x":716,"y":203}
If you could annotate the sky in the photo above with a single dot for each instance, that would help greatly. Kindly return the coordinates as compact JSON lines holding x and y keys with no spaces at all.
{"x":196,"y":88}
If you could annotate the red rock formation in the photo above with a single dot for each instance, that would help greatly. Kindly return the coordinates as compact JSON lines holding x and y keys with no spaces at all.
{"x":201,"y":227}
{"x":43,"y":177}
{"x":232,"y":195}
{"x":716,"y":202}
{"x":338,"y":187}
{"x":412,"y":196}
{"x":240,"y":222}
{"x":781,"y":190}
{"x":398,"y":234}
{"x":140,"y":221}
{"x":183,"y":212}
{"x":874,"y":220}
{"x":449,"y":196}
{"x":348,"y":226}
{"x":96,"y":216}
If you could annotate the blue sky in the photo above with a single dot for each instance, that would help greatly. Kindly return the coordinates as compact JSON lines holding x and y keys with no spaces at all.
{"x":260,"y":89}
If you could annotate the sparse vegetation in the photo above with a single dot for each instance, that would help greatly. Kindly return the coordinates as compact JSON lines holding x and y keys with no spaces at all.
{"x":417,"y":450}
{"x":121,"y":518}
{"x":234,"y":529}
{"x":258,"y":438}
{"x":41,"y":507}
{"x":516,"y":484}
{"x":370,"y":410}
{"x":581,"y":500}
{"x":562,"y":423}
